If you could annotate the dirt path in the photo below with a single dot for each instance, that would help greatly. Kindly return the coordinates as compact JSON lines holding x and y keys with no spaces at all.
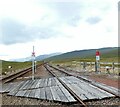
{"x":41,"y":72}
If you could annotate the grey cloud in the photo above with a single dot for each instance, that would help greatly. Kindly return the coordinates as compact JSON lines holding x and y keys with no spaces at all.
{"x":68,"y":9}
{"x":12,"y":32}
{"x":93,"y":20}
{"x":68,"y":12}
{"x":15,"y":32}
{"x":74,"y":21}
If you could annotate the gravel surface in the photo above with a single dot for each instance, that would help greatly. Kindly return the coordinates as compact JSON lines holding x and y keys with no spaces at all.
{"x":12,"y":100}
{"x":110,"y":101}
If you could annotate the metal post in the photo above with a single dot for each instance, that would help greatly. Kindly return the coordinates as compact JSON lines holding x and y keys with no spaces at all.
{"x":33,"y":57}
{"x":33,"y":69}
{"x":96,"y":66}
{"x":35,"y":66}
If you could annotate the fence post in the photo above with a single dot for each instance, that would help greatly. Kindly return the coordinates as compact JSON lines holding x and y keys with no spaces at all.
{"x":113,"y":66}
{"x":84,"y":65}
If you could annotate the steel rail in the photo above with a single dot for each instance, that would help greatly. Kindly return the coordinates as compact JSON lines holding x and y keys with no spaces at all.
{"x":92,"y":83}
{"x":72,"y":92}
{"x":16,"y":75}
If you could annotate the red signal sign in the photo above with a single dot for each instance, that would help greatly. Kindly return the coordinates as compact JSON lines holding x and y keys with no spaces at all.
{"x":33,"y":53}
{"x":97,"y":53}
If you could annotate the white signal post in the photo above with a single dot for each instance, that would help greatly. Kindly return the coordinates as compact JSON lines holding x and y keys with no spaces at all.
{"x":97,"y":60}
{"x":33,"y":64}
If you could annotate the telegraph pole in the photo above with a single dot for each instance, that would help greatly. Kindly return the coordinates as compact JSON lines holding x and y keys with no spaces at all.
{"x":33,"y":64}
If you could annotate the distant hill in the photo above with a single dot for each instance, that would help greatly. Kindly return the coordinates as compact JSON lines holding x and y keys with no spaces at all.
{"x":109,"y":52}
{"x":38,"y":58}
{"x":90,"y":53}
{"x":42,"y":57}
{"x":21,"y":59}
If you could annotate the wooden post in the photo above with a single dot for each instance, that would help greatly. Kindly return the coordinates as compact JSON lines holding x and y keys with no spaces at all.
{"x":84,"y":65}
{"x":113,"y":66}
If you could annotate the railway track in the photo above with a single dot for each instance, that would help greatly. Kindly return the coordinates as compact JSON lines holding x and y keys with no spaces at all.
{"x":72,"y":92}
{"x":60,"y":75}
{"x":11,"y":77}
{"x":51,"y":69}
{"x":15,"y":75}
{"x":85,"y":79}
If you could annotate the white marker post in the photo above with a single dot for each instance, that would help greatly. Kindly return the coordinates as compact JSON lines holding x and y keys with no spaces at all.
{"x":97,"y":60}
{"x":33,"y":65}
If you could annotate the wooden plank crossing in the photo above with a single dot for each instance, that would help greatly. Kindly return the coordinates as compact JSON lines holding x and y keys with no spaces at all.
{"x":27,"y":93}
{"x":9,"y":86}
{"x":66,"y":93}
{"x":38,"y":84}
{"x":42,"y":83}
{"x":15,"y":88}
{"x":109,"y":88}
{"x":32,"y":93}
{"x":34,"y":84}
{"x":48,"y":93}
{"x":51,"y":89}
{"x":42,"y":93}
{"x":4,"y":88}
{"x":46,"y":89}
{"x":37,"y":93}
{"x":54,"y":93}
{"x":49,"y":82}
{"x":61,"y":94}
{"x":25,"y":83}
{"x":84,"y":90}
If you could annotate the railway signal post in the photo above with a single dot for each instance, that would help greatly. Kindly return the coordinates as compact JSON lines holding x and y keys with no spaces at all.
{"x":33,"y":63}
{"x":97,"y":65}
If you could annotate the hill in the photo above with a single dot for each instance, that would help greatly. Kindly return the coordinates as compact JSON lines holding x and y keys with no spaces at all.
{"x":42,"y":57}
{"x":110,"y":52}
{"x":38,"y":58}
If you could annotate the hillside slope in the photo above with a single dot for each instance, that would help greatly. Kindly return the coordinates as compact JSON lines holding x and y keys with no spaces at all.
{"x":105,"y":53}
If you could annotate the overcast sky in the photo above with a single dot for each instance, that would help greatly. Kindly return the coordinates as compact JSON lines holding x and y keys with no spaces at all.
{"x":53,"y":26}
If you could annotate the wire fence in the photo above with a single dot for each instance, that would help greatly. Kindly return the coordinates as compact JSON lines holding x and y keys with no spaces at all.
{"x":102,"y":67}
